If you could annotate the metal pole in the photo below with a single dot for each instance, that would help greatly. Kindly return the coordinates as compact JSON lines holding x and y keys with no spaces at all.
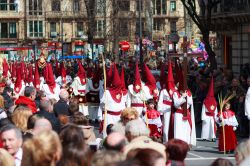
{"x":62,"y":35}
{"x":140,"y":33}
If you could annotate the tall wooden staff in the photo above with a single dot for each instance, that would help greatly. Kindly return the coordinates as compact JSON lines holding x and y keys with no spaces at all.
{"x":105,"y":87}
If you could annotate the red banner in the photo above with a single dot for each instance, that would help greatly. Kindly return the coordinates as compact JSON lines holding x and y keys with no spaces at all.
{"x":14,"y":48}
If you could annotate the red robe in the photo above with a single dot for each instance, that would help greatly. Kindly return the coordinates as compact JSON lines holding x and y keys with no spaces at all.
{"x":154,"y":129}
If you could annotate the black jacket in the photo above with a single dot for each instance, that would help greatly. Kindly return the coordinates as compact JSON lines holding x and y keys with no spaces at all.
{"x":61,"y":108}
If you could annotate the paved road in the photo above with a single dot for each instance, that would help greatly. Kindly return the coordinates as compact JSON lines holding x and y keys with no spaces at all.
{"x":205,"y":153}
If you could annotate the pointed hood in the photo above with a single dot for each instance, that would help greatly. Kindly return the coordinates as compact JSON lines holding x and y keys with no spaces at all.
{"x":123,"y":84}
{"x":18,"y":83}
{"x":171,"y":85}
{"x":150,"y":80}
{"x":116,"y":86}
{"x":5,"y":68}
{"x":137,"y":81}
{"x":30,"y":75}
{"x":210,"y":102}
{"x":36,"y":81}
{"x":22,"y":70}
{"x":13,"y":69}
{"x":63,"y":72}
{"x":50,"y":79}
{"x":81,"y":73}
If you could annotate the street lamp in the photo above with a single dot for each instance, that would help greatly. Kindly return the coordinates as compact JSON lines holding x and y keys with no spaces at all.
{"x":34,"y":43}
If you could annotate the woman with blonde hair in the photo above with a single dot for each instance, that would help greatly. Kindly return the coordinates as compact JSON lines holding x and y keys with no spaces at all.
{"x":6,"y":159}
{"x":43,"y":149}
{"x":242,"y":151}
{"x":20,"y":117}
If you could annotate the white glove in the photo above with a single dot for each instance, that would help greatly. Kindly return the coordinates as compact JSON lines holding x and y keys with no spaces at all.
{"x":234,"y":128}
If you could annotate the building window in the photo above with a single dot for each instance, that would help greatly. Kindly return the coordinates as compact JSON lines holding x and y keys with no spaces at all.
{"x":124,"y":5}
{"x":100,"y":27}
{"x":100,"y":5}
{"x":173,"y":26}
{"x":159,"y":7}
{"x":124,"y":29}
{"x":12,"y":30}
{"x":172,"y":6}
{"x":3,"y":4}
{"x":52,"y":27}
{"x":35,"y":29}
{"x":137,"y":5}
{"x":35,"y":7}
{"x":79,"y":26}
{"x":164,"y":7}
{"x":137,"y":31}
{"x":76,"y":5}
{"x":8,"y":30}
{"x":158,"y":24}
{"x":56,"y":5}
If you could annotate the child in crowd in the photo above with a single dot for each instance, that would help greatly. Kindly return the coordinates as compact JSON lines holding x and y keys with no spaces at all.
{"x":230,"y":123}
{"x":153,"y":119}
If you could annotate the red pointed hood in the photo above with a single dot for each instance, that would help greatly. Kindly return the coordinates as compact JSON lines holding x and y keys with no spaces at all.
{"x":5,"y":68}
{"x":137,"y":81}
{"x":81,"y":73}
{"x":210,"y":101}
{"x":51,"y":79}
{"x":45,"y":71}
{"x":36,"y":81}
{"x":150,"y":79}
{"x":13,"y":69}
{"x":116,"y":86}
{"x":18,"y":83}
{"x":30,"y":75}
{"x":22,"y":70}
{"x":63,"y":73}
{"x":171,"y":85}
{"x":123,"y":84}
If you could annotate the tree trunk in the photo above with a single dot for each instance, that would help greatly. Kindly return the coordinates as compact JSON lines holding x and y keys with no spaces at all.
{"x":210,"y":52}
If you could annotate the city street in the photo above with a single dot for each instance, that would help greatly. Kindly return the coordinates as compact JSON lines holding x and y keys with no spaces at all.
{"x":205,"y":153}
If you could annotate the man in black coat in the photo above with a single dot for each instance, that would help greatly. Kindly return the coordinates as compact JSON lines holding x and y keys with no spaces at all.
{"x":61,"y":107}
{"x":46,"y":111}
{"x":7,"y":95}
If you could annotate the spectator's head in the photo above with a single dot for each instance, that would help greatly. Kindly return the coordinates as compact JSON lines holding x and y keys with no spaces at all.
{"x":115,"y":141}
{"x":235,"y":82}
{"x":11,"y":137}
{"x":7,"y":90}
{"x":79,"y":119}
{"x":30,"y":92}
{"x":71,"y":134}
{"x":6,"y":159}
{"x":128,"y":114}
{"x":20,"y":117}
{"x":221,"y":162}
{"x":136,"y":128}
{"x":32,"y":120}
{"x":41,"y":125}
{"x":43,"y":149}
{"x":242,"y":151}
{"x":73,"y":107}
{"x":176,"y":149}
{"x":107,"y":156}
{"x":150,"y":157}
{"x":64,"y":95}
{"x":46,"y":105}
{"x":1,"y":102}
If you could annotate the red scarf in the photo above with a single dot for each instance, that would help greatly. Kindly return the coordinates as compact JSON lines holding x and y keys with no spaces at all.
{"x":226,"y":114}
{"x":28,"y":102}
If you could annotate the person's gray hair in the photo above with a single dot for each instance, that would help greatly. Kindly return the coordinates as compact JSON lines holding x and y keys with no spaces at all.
{"x":64,"y":95}
{"x":45,"y":105}
{"x":29,"y":90}
{"x":9,"y":127}
{"x":242,"y":150}
{"x":137,"y":128}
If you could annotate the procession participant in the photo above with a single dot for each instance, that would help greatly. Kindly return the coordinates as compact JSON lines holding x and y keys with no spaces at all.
{"x":50,"y":87}
{"x":29,"y":75}
{"x":94,"y":84}
{"x":150,"y":89}
{"x":124,"y":89}
{"x":153,"y":120}
{"x":36,"y":80}
{"x":247,"y":103}
{"x":165,"y":102}
{"x":112,"y":100}
{"x":136,"y":97}
{"x":209,"y":112}
{"x":80,"y":89}
{"x":5,"y":70}
{"x":184,"y":126}
{"x":13,"y":74}
{"x":228,"y":119}
{"x":63,"y":79}
{"x":19,"y":83}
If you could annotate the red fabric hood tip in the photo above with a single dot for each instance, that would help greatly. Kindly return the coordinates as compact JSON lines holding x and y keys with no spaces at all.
{"x":115,"y":89}
{"x":210,"y":102}
{"x":137,"y":81}
{"x":150,"y":80}
{"x":81,"y":73}
{"x":50,"y":80}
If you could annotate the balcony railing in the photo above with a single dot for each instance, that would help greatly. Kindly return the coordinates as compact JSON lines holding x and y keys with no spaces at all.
{"x":11,"y":14}
{"x":65,"y":14}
